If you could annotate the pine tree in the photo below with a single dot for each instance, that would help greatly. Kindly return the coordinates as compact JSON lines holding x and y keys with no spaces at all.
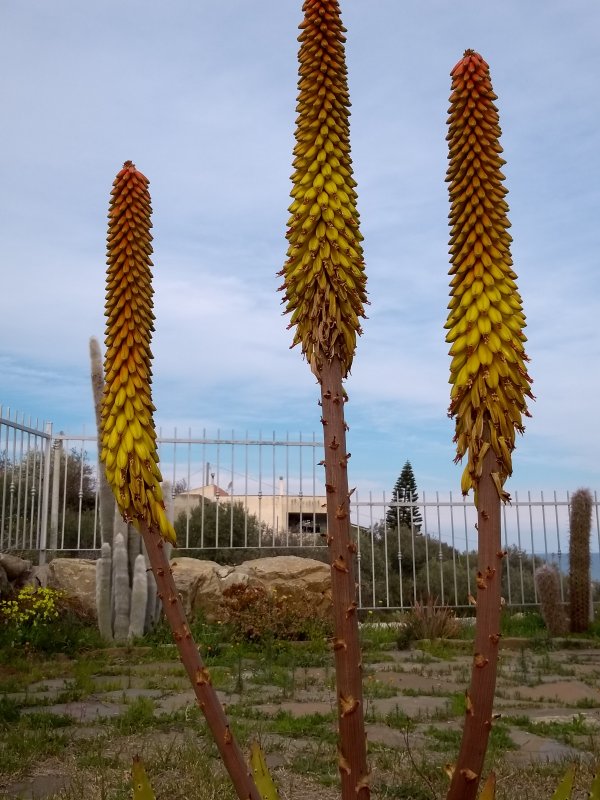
{"x":404,"y":490}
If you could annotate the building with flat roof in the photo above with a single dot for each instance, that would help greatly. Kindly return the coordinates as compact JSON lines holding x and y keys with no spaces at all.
{"x":281,"y":513}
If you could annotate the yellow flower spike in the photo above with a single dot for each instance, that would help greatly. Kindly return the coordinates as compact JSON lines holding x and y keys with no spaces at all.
{"x":324,"y":276}
{"x":129,"y":450}
{"x":487,"y":372}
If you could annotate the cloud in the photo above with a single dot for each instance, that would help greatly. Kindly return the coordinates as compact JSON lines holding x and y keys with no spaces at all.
{"x":201,"y":97}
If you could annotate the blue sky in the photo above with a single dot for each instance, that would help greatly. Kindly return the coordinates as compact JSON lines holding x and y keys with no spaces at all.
{"x":201,"y":96}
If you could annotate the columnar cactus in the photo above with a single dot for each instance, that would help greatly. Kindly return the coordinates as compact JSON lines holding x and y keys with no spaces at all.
{"x":547,"y":583}
{"x":104,"y":592}
{"x":579,"y":560}
{"x":109,"y":594}
{"x":139,"y":599}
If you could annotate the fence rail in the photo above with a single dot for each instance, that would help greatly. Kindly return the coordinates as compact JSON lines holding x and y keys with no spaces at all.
{"x":233,"y":496}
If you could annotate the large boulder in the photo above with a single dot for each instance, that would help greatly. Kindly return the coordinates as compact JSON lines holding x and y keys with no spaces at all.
{"x":14,"y":567}
{"x":77,"y":578}
{"x":17,"y":572}
{"x":198,"y":585}
{"x":5,"y":587}
{"x":293,"y":576}
{"x":201,"y":583}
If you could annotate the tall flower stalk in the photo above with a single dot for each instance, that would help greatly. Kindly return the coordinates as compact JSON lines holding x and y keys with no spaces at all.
{"x":324,"y":284}
{"x":488,"y":371}
{"x":128,"y":436}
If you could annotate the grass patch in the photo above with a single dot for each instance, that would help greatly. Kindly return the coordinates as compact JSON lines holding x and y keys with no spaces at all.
{"x":562,"y":730}
{"x":22,"y":747}
{"x":314,"y":726}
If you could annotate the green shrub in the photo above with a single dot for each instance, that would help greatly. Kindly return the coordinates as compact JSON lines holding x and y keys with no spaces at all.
{"x":254,"y":614}
{"x":45,"y":620}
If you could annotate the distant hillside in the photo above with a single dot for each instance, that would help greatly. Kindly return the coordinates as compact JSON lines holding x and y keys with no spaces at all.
{"x":594,"y":563}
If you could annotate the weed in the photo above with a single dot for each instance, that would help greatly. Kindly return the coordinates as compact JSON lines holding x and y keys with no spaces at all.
{"x":9,"y":712}
{"x":562,"y":730}
{"x":137,"y":716}
{"x":430,"y":620}
{"x":399,"y":720}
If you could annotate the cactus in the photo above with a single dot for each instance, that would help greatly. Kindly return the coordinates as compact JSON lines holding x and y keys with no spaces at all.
{"x":579,"y":560}
{"x":121,"y":589}
{"x":104,"y":592}
{"x":547,"y":583}
{"x":119,"y":601}
{"x":139,"y":599}
{"x":105,"y":496}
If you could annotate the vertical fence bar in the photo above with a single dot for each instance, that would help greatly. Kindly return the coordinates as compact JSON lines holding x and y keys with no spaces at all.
{"x":597,"y":521}
{"x":399,"y":559}
{"x":12,"y":487}
{"x":286,"y":520}
{"x":464,"y":507}
{"x":453,"y":550}
{"x":260,"y":492}
{"x":232,"y":490}
{"x":440,"y":552}
{"x":544,"y":526}
{"x":372,"y":536}
{"x":301,"y":494}
{"x":18,"y":520}
{"x":532,"y":547}
{"x":520,"y":549}
{"x":385,"y":556}
{"x":314,"y":490}
{"x":217,"y":490}
{"x":5,"y":465}
{"x":507,"y":559}
{"x":274,"y":495}
{"x":559,"y":551}
{"x":188,"y":483}
{"x":44,"y":495}
{"x":205,"y":479}
{"x":246,"y":494}
{"x":64,"y":500}
{"x":426,"y":526}
{"x":359,"y":552}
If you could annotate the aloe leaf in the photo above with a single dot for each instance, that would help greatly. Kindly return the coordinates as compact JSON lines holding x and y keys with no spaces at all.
{"x":489,"y":790}
{"x":141,"y":785}
{"x":595,"y":787}
{"x":565,"y":787}
{"x":260,"y":772}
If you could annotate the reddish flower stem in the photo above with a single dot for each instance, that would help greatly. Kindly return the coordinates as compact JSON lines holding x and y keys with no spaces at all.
{"x":348,"y":662}
{"x":480,"y":696}
{"x":206,"y":695}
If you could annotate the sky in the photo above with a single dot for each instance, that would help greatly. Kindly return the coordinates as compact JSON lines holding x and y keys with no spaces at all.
{"x":201,"y":96}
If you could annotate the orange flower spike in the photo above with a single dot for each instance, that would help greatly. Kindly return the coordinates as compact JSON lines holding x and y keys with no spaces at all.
{"x":129,"y":451}
{"x":324,"y":275}
{"x":485,"y":324}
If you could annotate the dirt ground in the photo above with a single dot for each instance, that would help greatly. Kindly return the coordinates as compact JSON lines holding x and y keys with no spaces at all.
{"x":548,"y":702}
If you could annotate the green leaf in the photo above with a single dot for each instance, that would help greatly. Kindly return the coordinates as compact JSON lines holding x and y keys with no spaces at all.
{"x":565,"y":787}
{"x":489,"y":790}
{"x":141,"y":785}
{"x":595,"y":787}
{"x":262,"y":776}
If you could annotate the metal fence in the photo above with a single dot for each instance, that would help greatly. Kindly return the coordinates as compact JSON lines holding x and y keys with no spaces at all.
{"x":237,"y":497}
